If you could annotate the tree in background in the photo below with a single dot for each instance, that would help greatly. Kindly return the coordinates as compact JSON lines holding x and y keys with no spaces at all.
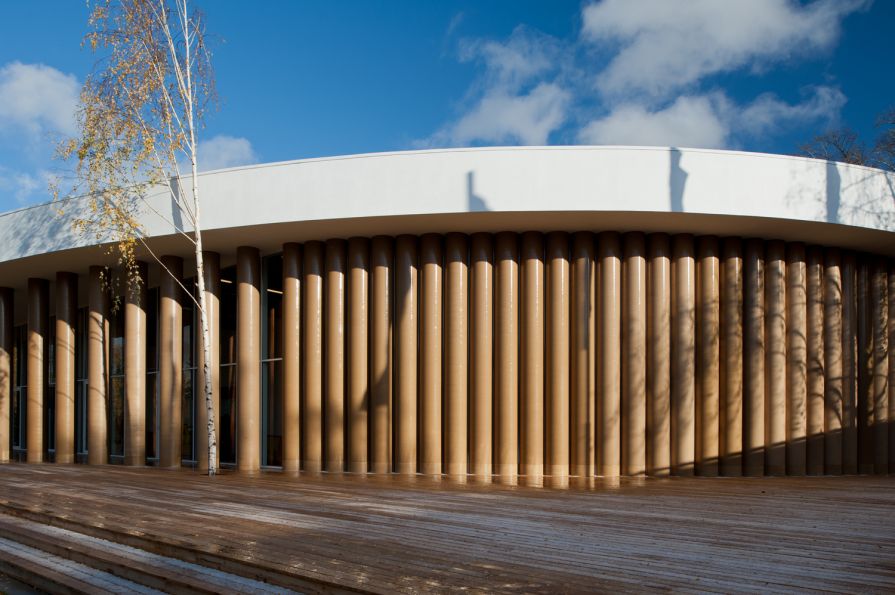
{"x":140,"y":116}
{"x":844,"y":144}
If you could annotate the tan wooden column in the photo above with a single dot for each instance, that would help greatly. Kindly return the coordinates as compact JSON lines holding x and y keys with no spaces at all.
{"x":407,"y":322}
{"x":38,"y":325}
{"x":291,"y":357}
{"x":658,"y":354}
{"x":850,"y":362}
{"x":557,"y":422}
{"x":889,"y":271}
{"x":532,"y":356}
{"x":683,"y":356}
{"x":753,"y":358}
{"x":66,"y":322}
{"x":609,"y":363}
{"x":212,"y":279}
{"x":312,"y":407}
{"x":581,"y":427}
{"x":796,"y":360}
{"x":506,"y":357}
{"x":708,"y":348}
{"x":170,"y":362}
{"x":880,"y":314}
{"x":731,"y":436}
{"x":381,"y":333}
{"x":633,"y":356}
{"x":430,"y":353}
{"x":7,"y":301}
{"x":481,"y":381}
{"x":865,"y":368}
{"x":775,"y":367}
{"x":456,"y":342}
{"x":833,"y":406}
{"x":815,"y":322}
{"x":248,"y":358}
{"x":135,"y":367}
{"x":334,"y":343}
{"x":358,"y":352}
{"x":97,"y":368}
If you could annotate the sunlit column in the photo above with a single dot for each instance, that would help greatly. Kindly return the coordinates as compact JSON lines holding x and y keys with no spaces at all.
{"x":135,"y":367}
{"x":66,"y":322}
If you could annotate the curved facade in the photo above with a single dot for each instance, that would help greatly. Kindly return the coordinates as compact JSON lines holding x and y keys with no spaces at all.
{"x":510,"y":311}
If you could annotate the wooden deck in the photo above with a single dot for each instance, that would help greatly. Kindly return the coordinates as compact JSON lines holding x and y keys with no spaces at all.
{"x":387,"y":534}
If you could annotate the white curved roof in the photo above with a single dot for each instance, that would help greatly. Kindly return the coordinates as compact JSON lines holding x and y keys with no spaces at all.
{"x":494,"y":189}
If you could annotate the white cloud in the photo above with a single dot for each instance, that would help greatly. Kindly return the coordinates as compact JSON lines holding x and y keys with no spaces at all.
{"x":688,"y":122}
{"x":224,"y":151}
{"x":24,"y":187}
{"x":502,"y":117}
{"x":38,"y":100}
{"x":666,"y":45}
{"x":708,"y":121}
{"x":510,"y":102}
{"x":767,"y":112}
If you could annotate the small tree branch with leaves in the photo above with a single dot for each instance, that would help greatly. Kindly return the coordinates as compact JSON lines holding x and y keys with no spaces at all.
{"x":140,"y":116}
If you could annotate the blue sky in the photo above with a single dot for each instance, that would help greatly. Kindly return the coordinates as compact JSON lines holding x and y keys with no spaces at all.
{"x":305,"y":79}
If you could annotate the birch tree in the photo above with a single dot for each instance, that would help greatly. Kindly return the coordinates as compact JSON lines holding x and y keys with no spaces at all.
{"x":139,"y":121}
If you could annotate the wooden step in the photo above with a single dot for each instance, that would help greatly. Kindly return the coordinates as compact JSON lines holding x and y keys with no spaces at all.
{"x":38,"y":528}
{"x":55,"y":574}
{"x":152,"y":570}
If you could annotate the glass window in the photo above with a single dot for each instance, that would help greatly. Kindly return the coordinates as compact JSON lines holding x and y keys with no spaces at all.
{"x":152,"y":373}
{"x":116,"y":382}
{"x":188,"y":403}
{"x":20,"y":387}
{"x":227,"y":414}
{"x":272,"y":360}
{"x":50,"y":396}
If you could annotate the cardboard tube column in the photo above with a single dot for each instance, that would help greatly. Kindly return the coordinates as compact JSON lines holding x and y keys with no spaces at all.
{"x":506,"y":357}
{"x":358,"y":353}
{"x":38,"y":323}
{"x":833,"y":409}
{"x":634,"y":355}
{"x":889,"y":272}
{"x":456,"y":351}
{"x":775,"y":354}
{"x":334,"y":343}
{"x":7,"y":301}
{"x":880,"y":313}
{"x":430,"y":353}
{"x":850,"y":363}
{"x":708,"y":365}
{"x":135,"y":369}
{"x":865,"y":368}
{"x":532,"y":356}
{"x":98,"y":366}
{"x":381,"y":321}
{"x":66,"y":322}
{"x":248,"y":345}
{"x":609,"y":365}
{"x":557,"y":418}
{"x":796,"y":360}
{"x":754,"y":359}
{"x":312,"y":406}
{"x":582,"y":357}
{"x":658,"y":364}
{"x":481,"y":379}
{"x":815,"y":322}
{"x":731,"y":434}
{"x":683,"y":356}
{"x":406,"y":321}
{"x":292,"y":283}
{"x":170,"y":362}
